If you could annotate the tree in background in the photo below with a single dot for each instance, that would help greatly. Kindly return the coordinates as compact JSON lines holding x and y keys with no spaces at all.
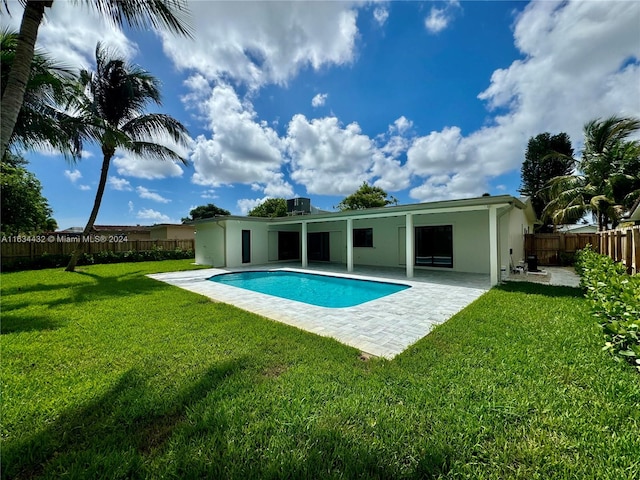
{"x":205,"y":211}
{"x":24,"y":210}
{"x":270,"y":208}
{"x":41,"y":122}
{"x":134,"y":13}
{"x":547,"y":156}
{"x":608,"y":181}
{"x":113,"y":100}
{"x":367,"y":196}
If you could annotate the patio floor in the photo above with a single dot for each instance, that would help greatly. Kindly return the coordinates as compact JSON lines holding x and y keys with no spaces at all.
{"x":383,"y":327}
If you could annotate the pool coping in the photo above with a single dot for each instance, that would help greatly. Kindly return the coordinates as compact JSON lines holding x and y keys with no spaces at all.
{"x":382,"y":327}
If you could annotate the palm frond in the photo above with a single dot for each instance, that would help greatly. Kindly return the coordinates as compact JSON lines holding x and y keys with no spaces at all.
{"x":155,"y":150}
{"x":156,"y":125}
{"x":144,"y":14}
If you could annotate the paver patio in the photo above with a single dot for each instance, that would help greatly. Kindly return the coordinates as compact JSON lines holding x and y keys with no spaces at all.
{"x":383,"y":327}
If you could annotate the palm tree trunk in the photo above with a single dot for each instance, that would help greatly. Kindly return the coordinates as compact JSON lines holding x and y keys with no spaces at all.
{"x":75,"y":256}
{"x":13,"y":94}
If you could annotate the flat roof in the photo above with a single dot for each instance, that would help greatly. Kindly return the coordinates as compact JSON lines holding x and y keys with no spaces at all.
{"x":466,"y":204}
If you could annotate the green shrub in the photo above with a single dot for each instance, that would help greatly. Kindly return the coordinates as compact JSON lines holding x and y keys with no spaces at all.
{"x":56,"y":261}
{"x":614,"y":298}
{"x":567,"y":259}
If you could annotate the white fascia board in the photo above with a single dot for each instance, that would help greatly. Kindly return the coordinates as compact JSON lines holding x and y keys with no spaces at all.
{"x":396,"y":213}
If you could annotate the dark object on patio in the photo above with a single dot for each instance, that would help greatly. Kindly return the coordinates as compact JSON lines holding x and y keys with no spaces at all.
{"x":532,"y":263}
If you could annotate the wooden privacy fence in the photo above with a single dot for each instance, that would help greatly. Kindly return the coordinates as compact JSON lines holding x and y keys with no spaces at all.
{"x":15,"y":248}
{"x":552,"y":248}
{"x":622,"y":245}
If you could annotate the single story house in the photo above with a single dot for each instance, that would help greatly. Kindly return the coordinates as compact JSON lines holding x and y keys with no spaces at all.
{"x":478,"y":235}
{"x":171,"y":231}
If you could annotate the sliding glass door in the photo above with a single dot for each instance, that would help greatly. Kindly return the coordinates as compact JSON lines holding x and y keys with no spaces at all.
{"x":434,"y":246}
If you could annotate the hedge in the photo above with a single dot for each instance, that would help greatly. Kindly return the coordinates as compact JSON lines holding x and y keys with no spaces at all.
{"x":614,"y":297}
{"x":54,"y":261}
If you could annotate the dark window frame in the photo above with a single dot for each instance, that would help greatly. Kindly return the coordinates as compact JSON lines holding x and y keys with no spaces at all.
{"x":363,"y":237}
{"x":246,"y":246}
{"x":433,"y":246}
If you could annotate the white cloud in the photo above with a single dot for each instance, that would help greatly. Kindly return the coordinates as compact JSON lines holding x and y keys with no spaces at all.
{"x":88,"y":28}
{"x":264,"y":42}
{"x":153,"y":215}
{"x":571,"y":73}
{"x":130,"y":205}
{"x":84,"y":187}
{"x":319,"y":100}
{"x":118,"y":183}
{"x":246,"y":204}
{"x":440,"y":18}
{"x":73,"y":175}
{"x":241,"y":149}
{"x":381,"y":14}
{"x":209,"y":194}
{"x":149,"y":168}
{"x":444,"y":187}
{"x":150,"y":195}
{"x":327,"y":158}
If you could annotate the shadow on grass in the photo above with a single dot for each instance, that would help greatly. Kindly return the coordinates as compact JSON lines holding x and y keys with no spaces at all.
{"x":541,"y":289}
{"x":12,"y":323}
{"x":110,"y":436}
{"x":99,"y":287}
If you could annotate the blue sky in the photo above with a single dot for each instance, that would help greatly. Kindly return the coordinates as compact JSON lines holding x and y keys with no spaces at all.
{"x":429,"y":100}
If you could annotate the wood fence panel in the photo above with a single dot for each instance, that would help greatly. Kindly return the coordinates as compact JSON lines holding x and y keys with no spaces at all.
{"x":623,"y":245}
{"x":65,"y":245}
{"x":549,"y":247}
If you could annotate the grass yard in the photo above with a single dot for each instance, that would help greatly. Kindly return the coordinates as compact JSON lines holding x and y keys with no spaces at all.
{"x":108,"y":374}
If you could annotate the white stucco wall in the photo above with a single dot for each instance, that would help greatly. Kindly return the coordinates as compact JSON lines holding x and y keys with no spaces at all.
{"x":259,"y":242}
{"x":223,"y":246}
{"x":210,"y":243}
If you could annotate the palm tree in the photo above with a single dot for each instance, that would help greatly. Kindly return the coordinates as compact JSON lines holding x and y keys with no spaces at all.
{"x":115,"y":97}
{"x":135,"y":13}
{"x":608,"y":178}
{"x":41,"y":122}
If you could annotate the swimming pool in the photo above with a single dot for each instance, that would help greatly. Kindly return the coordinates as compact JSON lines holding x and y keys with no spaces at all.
{"x":320,"y":290}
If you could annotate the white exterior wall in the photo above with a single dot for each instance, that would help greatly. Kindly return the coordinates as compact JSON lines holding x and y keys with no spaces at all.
{"x":259,"y":242}
{"x":223,"y":247}
{"x":470,"y":240}
{"x":210,"y":244}
{"x":518,"y":225}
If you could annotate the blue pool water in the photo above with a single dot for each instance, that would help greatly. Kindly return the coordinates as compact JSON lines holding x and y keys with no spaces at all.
{"x":320,"y":290}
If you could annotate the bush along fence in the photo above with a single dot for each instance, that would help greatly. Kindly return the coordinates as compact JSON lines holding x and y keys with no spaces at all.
{"x":622,"y":245}
{"x":27,"y":253}
{"x":614,"y":297}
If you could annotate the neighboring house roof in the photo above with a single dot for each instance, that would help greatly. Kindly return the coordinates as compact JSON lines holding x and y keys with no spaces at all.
{"x":577,"y":228}
{"x":122,"y":228}
{"x":111,"y":228}
{"x":428,"y":207}
{"x":165,"y":225}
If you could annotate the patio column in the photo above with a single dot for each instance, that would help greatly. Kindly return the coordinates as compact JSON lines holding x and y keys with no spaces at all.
{"x":349,"y":244}
{"x":410,"y":244}
{"x":493,"y":245}
{"x":305,"y":260}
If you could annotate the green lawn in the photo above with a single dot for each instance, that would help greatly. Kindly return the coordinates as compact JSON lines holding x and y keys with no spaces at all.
{"x":106,"y":373}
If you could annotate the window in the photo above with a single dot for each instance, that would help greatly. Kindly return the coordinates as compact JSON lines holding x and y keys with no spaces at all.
{"x":246,"y":246}
{"x":434,"y":246}
{"x":363,"y":237}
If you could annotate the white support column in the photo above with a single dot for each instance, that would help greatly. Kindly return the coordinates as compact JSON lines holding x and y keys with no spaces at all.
{"x":493,"y":245}
{"x":410,"y":244}
{"x":305,"y":260}
{"x":349,"y":244}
